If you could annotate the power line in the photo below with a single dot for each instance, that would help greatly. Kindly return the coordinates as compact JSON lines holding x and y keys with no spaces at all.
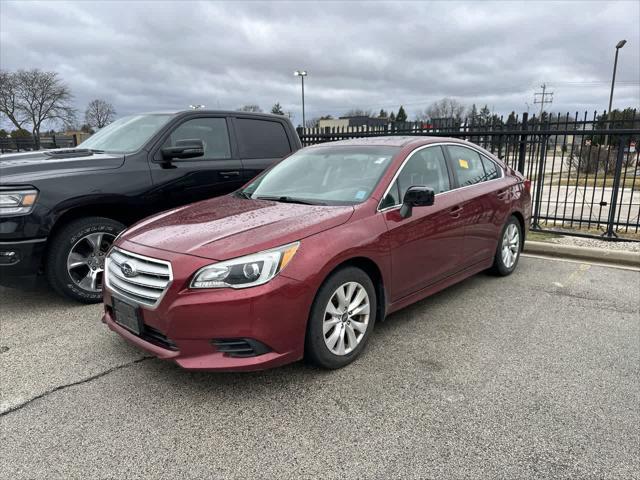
{"x":545,"y":98}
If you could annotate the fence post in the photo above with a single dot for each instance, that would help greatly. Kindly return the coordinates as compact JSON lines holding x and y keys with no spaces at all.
{"x":539,"y":182}
{"x":523,"y":143}
{"x":613,"y":204}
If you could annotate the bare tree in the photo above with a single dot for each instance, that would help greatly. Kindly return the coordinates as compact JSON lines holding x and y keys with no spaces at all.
{"x":445,"y":108}
{"x":99,"y":113}
{"x":250,"y":108}
{"x":9,"y":98}
{"x":43,"y":97}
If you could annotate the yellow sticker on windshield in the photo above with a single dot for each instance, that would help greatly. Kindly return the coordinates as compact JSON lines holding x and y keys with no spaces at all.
{"x":463,"y":163}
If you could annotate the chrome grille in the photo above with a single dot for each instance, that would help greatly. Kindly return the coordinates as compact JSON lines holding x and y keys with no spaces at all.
{"x":147,"y":285}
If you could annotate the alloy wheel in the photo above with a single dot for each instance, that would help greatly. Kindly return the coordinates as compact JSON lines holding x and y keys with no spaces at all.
{"x":85,"y":262}
{"x":510,"y":245}
{"x":346,"y":318}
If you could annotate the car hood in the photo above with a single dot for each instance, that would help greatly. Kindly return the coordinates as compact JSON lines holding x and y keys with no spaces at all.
{"x":229,"y":227}
{"x":20,"y":168}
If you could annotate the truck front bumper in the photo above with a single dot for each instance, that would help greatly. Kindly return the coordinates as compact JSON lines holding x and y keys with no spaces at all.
{"x":20,"y":262}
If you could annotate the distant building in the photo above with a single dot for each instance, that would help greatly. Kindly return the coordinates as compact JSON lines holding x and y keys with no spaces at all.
{"x":353,"y":122}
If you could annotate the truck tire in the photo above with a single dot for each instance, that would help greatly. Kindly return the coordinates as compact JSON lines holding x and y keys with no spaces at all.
{"x":74,"y":262}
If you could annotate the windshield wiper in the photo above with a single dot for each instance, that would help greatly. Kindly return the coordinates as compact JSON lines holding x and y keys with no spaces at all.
{"x":242,"y":194}
{"x":285,"y":199}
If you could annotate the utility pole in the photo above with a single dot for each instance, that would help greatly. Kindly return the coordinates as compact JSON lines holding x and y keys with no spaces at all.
{"x":545,"y":98}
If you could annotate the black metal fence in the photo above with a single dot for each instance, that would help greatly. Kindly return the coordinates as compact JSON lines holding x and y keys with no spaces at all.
{"x":585,"y":170}
{"x":26,"y":143}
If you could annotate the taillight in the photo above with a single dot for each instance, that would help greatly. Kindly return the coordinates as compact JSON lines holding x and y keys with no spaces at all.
{"x":527,"y":185}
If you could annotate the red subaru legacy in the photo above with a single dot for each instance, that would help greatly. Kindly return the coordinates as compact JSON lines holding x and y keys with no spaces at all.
{"x":304,"y":259}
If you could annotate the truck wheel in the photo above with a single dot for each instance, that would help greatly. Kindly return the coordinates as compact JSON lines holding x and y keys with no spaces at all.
{"x":75,"y":261}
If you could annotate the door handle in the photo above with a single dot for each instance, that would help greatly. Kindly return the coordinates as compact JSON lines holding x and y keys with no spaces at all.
{"x":234,"y":173}
{"x":455,"y":211}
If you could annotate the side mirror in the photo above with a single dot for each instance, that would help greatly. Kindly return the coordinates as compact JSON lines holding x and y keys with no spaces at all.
{"x":184,"y":149}
{"x":416,"y":197}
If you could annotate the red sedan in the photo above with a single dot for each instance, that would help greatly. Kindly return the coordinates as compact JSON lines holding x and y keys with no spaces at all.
{"x":304,"y":259}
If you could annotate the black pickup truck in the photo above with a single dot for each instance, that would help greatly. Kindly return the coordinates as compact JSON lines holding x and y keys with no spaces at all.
{"x":60,"y":210}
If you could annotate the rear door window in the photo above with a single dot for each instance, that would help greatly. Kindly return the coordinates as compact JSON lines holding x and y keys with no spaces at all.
{"x":491,"y":169}
{"x":261,"y":138}
{"x":467,"y":164}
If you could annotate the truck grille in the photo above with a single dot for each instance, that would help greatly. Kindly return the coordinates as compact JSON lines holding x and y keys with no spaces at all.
{"x":141,"y":279}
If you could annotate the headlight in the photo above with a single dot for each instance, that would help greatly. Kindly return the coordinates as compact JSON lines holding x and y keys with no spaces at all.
{"x":244,"y":272}
{"x":17,"y":202}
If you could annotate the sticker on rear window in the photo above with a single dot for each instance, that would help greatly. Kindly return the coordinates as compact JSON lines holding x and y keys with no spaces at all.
{"x":463,"y":163}
{"x":360,"y":194}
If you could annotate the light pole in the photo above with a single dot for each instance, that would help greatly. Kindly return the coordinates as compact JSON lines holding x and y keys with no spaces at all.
{"x":301,"y":74}
{"x":619,"y":45}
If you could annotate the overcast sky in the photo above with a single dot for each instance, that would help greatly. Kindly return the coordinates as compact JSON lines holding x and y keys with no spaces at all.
{"x":145,"y":56}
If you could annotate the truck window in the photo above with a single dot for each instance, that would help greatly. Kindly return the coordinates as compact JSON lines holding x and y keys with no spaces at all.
{"x":213,"y":133}
{"x":261,"y":138}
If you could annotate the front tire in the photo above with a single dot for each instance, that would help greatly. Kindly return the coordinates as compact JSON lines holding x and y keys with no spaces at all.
{"x":75,"y":260}
{"x":342,"y":318}
{"x":509,"y":247}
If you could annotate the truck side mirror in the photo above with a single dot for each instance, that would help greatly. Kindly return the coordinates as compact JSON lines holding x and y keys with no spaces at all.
{"x":189,"y":148}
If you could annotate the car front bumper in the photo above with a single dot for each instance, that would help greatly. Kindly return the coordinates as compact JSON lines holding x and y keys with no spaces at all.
{"x":187,"y":325}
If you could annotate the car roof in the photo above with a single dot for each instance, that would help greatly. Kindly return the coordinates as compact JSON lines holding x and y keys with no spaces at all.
{"x":392,"y":141}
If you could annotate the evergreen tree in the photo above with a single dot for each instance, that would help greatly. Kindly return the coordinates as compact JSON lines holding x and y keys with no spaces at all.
{"x":392,"y":117}
{"x":383,"y":113}
{"x":402,"y":115}
{"x":277,"y":109}
{"x":484,"y":115}
{"x":473,"y":115}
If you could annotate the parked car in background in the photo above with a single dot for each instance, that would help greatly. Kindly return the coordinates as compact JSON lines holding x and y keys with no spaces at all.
{"x":309,"y":255}
{"x":60,"y":210}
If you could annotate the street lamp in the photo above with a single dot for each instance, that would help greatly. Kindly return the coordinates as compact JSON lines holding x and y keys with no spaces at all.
{"x":301,"y":74}
{"x":619,"y":45}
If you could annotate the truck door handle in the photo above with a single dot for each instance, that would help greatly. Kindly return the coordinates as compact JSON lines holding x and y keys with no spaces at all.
{"x":234,"y":173}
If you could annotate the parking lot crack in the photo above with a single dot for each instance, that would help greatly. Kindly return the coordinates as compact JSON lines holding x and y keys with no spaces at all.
{"x":72,"y":384}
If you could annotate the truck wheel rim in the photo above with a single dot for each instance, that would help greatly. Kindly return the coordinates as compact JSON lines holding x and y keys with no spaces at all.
{"x":346,"y":318}
{"x":85,"y":262}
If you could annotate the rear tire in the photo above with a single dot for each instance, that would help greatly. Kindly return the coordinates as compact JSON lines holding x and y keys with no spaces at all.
{"x":75,"y":260}
{"x":509,"y":247}
{"x":341,"y":319}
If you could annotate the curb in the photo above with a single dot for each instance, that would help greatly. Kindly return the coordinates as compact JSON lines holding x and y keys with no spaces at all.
{"x":631,"y":259}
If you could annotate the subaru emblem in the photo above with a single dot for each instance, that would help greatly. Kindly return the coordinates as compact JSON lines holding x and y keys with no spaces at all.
{"x":128,"y":270}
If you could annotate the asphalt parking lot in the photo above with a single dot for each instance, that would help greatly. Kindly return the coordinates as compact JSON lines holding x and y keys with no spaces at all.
{"x":532,"y":376}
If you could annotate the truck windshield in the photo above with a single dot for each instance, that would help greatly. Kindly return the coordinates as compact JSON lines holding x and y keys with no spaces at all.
{"x":127,"y":134}
{"x":325,"y":175}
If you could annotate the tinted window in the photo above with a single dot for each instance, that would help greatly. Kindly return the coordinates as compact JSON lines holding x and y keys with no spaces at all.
{"x":212,"y":131}
{"x":467,"y":164}
{"x":261,"y":139}
{"x":490,"y":168}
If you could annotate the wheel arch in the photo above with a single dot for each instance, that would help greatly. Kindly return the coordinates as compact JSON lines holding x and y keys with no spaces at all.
{"x":373,"y":270}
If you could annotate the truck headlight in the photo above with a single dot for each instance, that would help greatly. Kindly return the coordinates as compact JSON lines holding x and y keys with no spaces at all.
{"x":244,"y":272}
{"x":17,"y":202}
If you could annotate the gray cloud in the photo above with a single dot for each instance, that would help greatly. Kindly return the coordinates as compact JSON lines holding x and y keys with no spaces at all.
{"x":156,"y":55}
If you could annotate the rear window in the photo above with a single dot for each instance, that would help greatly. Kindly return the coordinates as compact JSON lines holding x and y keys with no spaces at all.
{"x":261,"y":139}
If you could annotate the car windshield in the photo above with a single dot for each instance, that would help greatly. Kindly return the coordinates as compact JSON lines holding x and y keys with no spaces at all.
{"x":326,"y":175}
{"x":126,"y":134}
